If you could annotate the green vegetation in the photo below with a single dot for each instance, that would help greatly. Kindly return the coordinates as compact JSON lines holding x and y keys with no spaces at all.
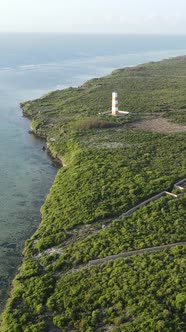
{"x":110,"y":167}
{"x":143,"y":293}
{"x":160,"y":222}
{"x":178,"y":117}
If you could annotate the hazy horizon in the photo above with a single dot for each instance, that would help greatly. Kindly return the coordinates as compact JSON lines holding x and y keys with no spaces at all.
{"x":96,"y":33}
{"x":99,"y":16}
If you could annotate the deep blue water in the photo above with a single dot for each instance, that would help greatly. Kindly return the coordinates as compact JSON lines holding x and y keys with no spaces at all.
{"x":31,"y":65}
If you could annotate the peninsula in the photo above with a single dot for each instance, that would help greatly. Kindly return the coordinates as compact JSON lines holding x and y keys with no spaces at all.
{"x":109,"y":253}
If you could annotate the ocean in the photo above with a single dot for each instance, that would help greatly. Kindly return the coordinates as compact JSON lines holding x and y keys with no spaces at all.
{"x":32,"y":65}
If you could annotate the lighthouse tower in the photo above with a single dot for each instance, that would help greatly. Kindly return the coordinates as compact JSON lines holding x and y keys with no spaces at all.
{"x":114,"y":103}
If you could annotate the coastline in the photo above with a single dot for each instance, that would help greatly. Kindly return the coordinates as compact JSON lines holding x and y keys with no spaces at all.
{"x":57,"y":160}
{"x":87,"y":160}
{"x":58,"y":163}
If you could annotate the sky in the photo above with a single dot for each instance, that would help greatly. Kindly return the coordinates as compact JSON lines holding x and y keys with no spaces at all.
{"x":94,"y":16}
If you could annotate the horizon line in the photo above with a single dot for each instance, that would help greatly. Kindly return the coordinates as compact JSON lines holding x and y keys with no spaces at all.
{"x":98,"y":33}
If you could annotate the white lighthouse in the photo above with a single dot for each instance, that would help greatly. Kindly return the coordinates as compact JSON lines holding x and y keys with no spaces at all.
{"x":114,"y":103}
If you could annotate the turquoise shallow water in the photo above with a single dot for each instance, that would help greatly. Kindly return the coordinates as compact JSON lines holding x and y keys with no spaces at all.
{"x":31,"y":65}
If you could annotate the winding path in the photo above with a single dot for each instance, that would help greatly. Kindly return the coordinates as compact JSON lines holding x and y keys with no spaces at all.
{"x":123,"y":255}
{"x":155,"y":197}
{"x":126,"y":254}
{"x":134,"y":252}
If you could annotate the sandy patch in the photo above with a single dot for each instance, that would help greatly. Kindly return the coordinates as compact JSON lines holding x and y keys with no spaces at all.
{"x":159,"y":125}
